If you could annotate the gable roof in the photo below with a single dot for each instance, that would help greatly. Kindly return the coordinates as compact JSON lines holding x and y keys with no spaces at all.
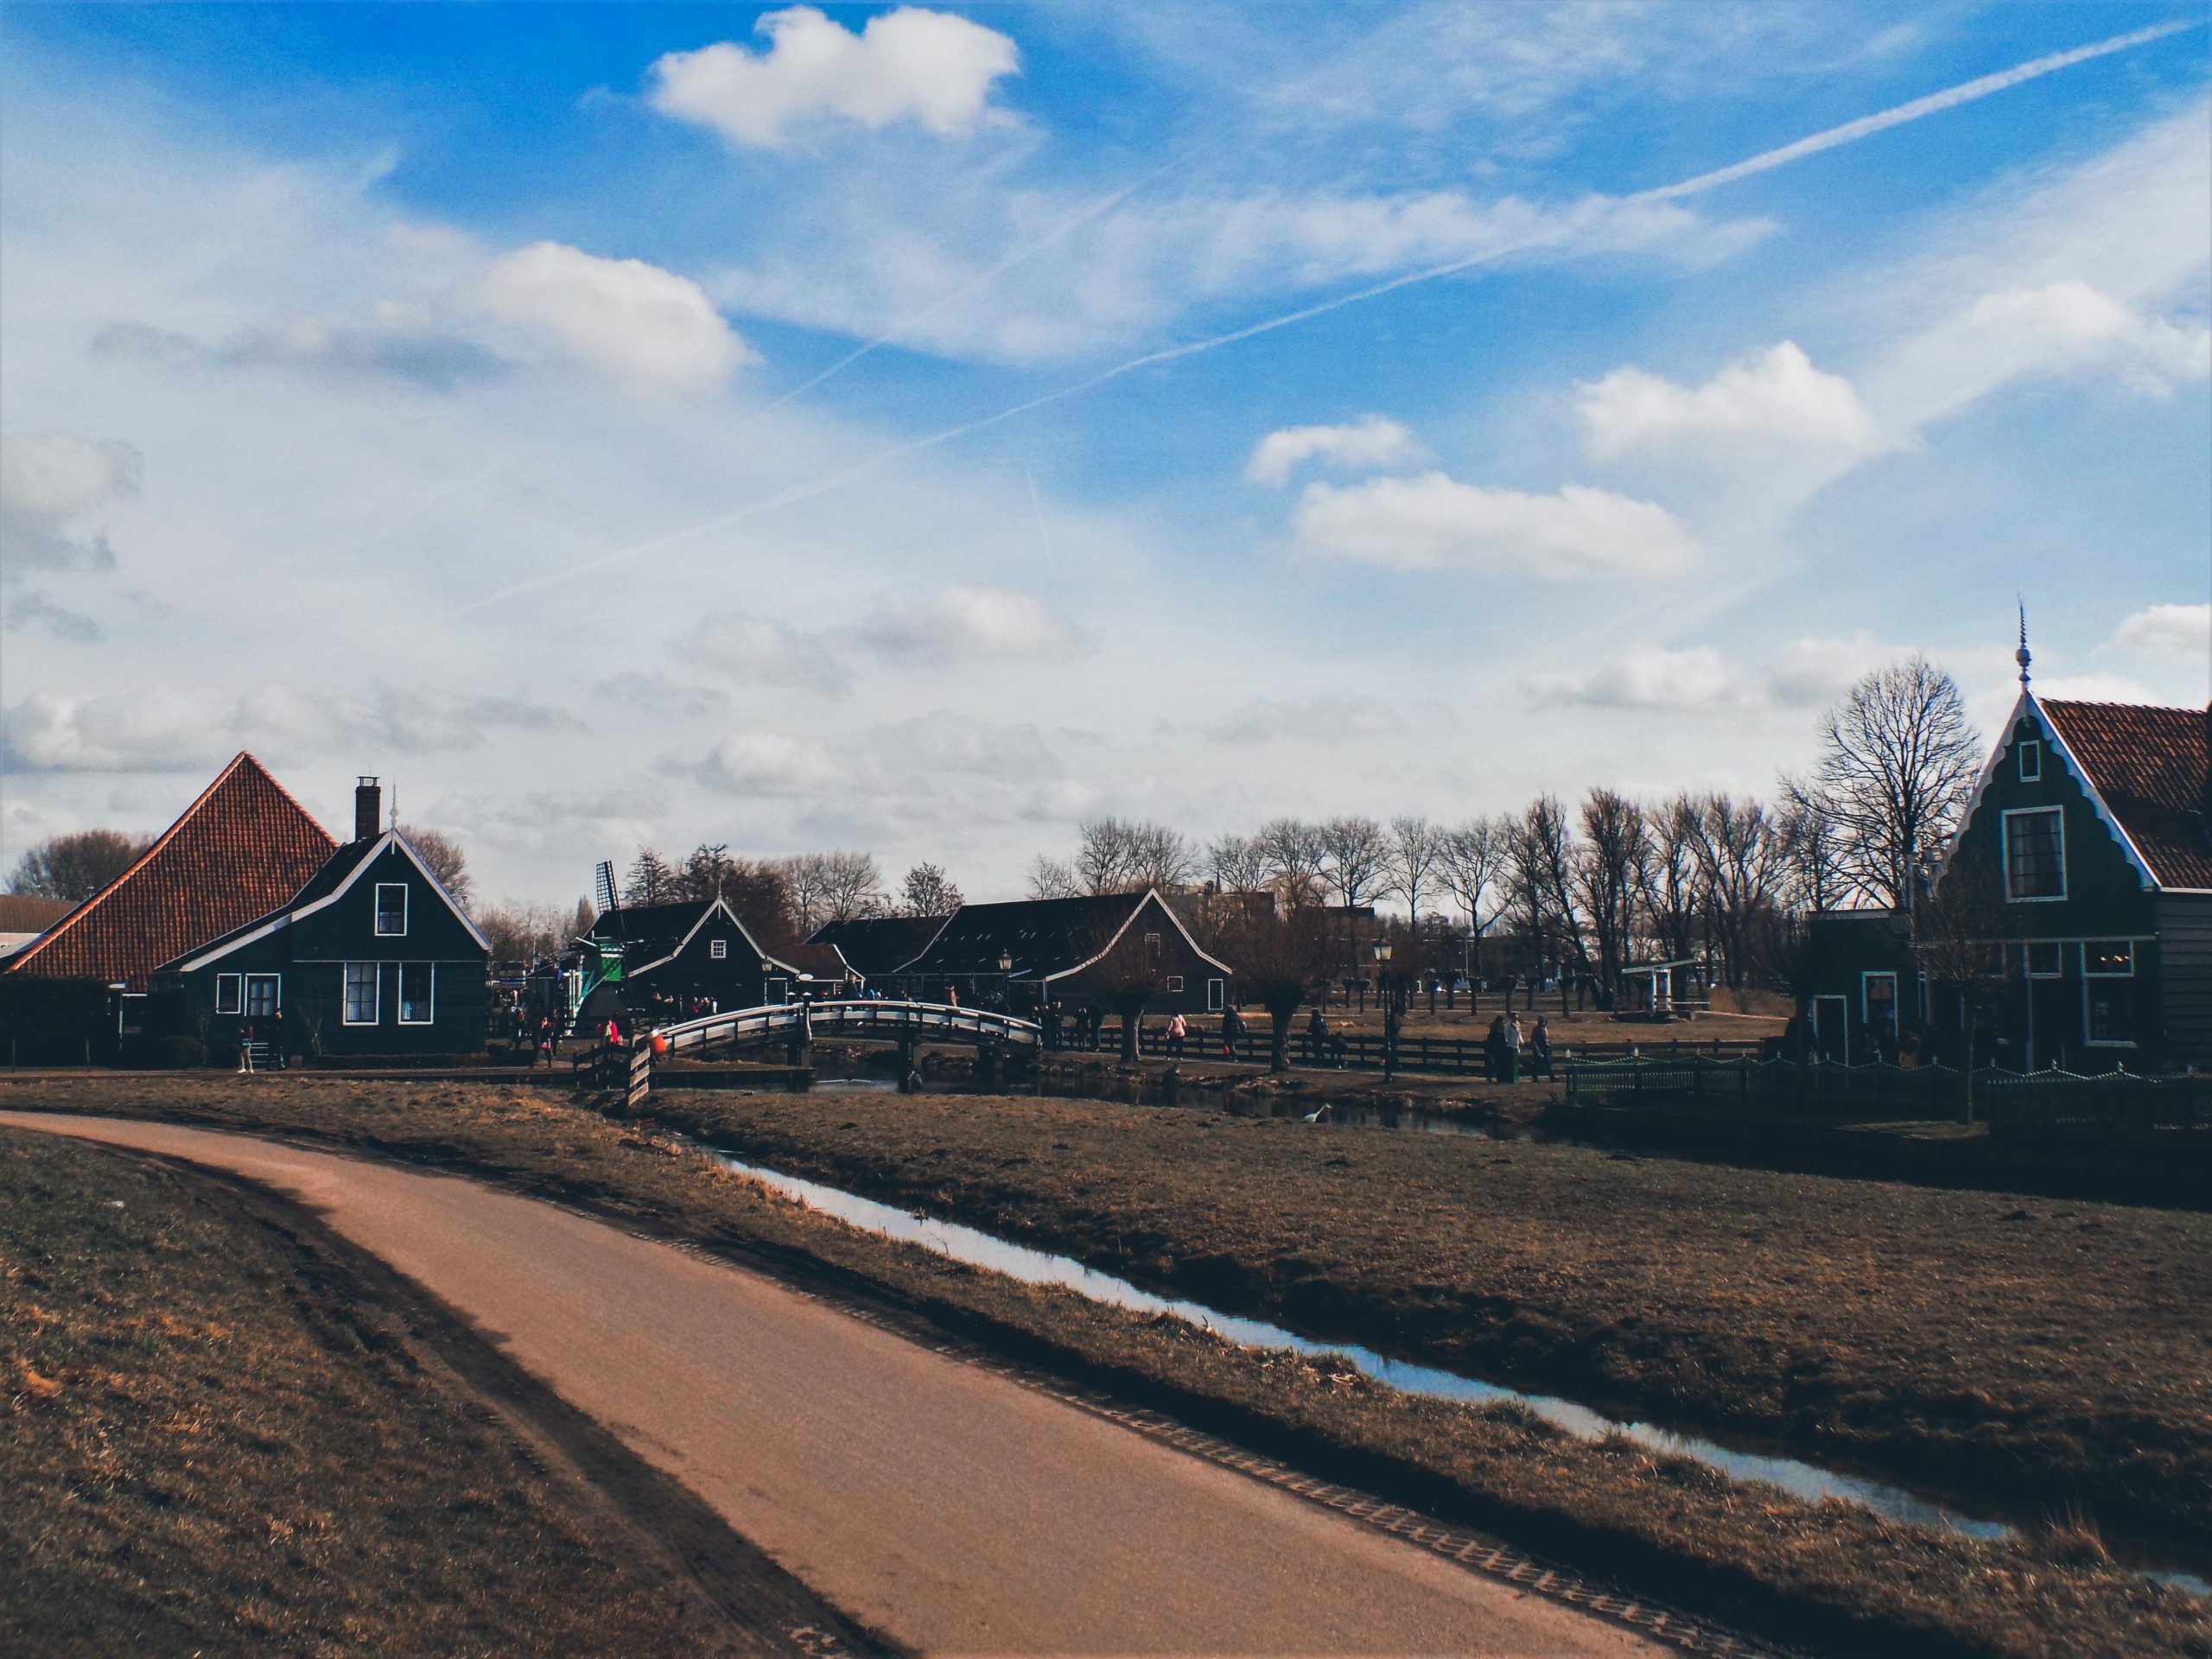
{"x":2147,"y":767}
{"x":239,"y":851}
{"x":652,"y":933}
{"x":326,"y":886}
{"x":26,"y":912}
{"x":875,"y":946}
{"x":1046,"y":938}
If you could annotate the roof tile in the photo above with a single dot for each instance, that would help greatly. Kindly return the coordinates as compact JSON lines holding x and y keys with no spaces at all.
{"x":2149,"y":765}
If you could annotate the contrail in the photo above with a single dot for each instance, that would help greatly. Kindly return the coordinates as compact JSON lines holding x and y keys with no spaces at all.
{"x":1933,"y":104}
{"x":1849,"y":132}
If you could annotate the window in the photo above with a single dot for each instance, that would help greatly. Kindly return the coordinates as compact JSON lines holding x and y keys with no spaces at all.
{"x":2030,"y":754}
{"x":418,"y":987}
{"x":1213,"y":996}
{"x":1152,"y":950}
{"x":360,"y":1008}
{"x":230,"y":993}
{"x":1877,"y":1004}
{"x":2108,"y":958}
{"x":2035,"y":855}
{"x":718,"y":949}
{"x":392,"y":909}
{"x":1174,"y":982}
{"x":2043,"y":960}
{"x":262,"y":1001}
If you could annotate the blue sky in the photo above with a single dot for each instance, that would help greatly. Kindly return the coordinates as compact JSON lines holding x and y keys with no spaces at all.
{"x":468,"y":394}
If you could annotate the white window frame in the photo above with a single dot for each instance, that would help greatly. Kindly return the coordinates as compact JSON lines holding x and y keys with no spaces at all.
{"x":1217,"y":995}
{"x":2005,"y":852}
{"x":2031,"y":749}
{"x":1174,"y":984}
{"x":346,"y":994}
{"x":384,"y":932}
{"x":1866,"y":1001}
{"x":718,"y":949}
{"x":1153,"y":951}
{"x":399,"y":994}
{"x":2028,"y":968}
{"x":245,"y":1007}
{"x":2090,"y":979}
{"x":236,"y":984}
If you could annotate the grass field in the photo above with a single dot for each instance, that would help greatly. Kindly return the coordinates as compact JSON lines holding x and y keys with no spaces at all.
{"x":1833,"y":1578}
{"x":2054,"y":1352}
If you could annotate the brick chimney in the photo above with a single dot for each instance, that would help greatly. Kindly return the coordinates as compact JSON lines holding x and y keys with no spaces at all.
{"x":368,"y":808}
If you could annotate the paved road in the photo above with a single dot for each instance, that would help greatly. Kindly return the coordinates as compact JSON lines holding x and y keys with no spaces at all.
{"x":953,"y":1510}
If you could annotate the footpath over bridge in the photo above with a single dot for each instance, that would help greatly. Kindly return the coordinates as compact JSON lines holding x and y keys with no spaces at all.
{"x":907,"y":1024}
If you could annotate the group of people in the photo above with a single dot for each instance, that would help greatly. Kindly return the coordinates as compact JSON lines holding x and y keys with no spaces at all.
{"x":1506,"y":1049}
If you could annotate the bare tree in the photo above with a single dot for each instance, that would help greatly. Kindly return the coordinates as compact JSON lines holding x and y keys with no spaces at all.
{"x":447,"y":862}
{"x":1673,"y":901}
{"x":1542,"y":862}
{"x":1282,"y":958}
{"x":524,"y":933}
{"x":1238,"y":864}
{"x":651,"y":880}
{"x":1740,"y":867}
{"x":75,"y":867}
{"x":830,"y":887}
{"x":1812,"y":852}
{"x":926,"y":891}
{"x":1898,"y":762}
{"x":1296,"y":852}
{"x":1470,"y":860}
{"x":1610,"y":868}
{"x":1409,"y":866}
{"x":1054,"y":878}
{"x":1121,"y":855}
{"x":1356,"y":851}
{"x":1963,"y":940}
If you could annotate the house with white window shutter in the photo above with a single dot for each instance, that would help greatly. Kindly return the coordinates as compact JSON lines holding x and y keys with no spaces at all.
{"x":372,"y":956}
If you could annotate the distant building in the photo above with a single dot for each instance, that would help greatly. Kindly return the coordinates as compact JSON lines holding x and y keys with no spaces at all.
{"x":874,"y":948}
{"x":670,"y":962}
{"x":2097,"y":818}
{"x":24,"y":917}
{"x":243,"y":848}
{"x":370,"y":955}
{"x":1088,"y":951}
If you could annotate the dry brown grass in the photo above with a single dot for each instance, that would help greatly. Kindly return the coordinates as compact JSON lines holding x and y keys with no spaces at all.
{"x":208,"y":1445}
{"x":1833,"y":1577}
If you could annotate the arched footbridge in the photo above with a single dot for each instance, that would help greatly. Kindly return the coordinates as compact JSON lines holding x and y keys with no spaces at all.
{"x":906,"y":1024}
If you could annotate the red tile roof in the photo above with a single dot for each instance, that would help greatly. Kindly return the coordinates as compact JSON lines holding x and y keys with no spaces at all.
{"x":241,"y":851}
{"x":26,"y":912}
{"x":2149,"y":765}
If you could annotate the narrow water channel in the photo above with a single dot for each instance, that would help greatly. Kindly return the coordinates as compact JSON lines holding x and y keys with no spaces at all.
{"x":1804,"y":1480}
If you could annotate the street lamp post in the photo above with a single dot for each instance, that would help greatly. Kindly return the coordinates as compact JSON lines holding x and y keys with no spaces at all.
{"x":1383,"y":998}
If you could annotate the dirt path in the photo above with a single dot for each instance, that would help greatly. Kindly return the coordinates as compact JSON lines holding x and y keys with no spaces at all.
{"x":949,"y":1508}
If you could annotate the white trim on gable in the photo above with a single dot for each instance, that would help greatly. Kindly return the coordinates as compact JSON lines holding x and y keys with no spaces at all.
{"x":285,"y":916}
{"x":1151,"y":897}
{"x":2055,"y":743}
{"x":691,"y":933}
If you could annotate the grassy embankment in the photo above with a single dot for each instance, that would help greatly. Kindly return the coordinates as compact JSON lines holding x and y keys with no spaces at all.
{"x":2055,"y":1353}
{"x":215,"y":1442}
{"x":1834,"y":1576}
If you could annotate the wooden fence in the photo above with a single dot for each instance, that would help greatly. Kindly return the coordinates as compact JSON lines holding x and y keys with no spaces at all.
{"x":2057,"y":1105}
{"x":1460,"y":1057}
{"x":1823,"y":1086}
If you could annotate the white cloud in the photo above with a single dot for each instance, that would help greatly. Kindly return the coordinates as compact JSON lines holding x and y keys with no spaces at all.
{"x":1774,"y":401}
{"x":51,"y":731}
{"x":49,"y":481}
{"x":2095,"y":687}
{"x":2183,"y":632}
{"x":760,"y":650}
{"x":930,"y":67}
{"x":648,"y":330}
{"x":1369,"y":442}
{"x":1434,"y":520}
{"x":2071,"y":326}
{"x":1643,"y":678}
{"x":759,"y":763}
{"x":1346,"y":716}
{"x":27,"y":609}
{"x":1812,"y":671}
{"x":972,"y":621}
{"x":399,"y":345}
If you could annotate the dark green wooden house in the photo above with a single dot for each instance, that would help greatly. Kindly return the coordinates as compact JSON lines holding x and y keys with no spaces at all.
{"x":372,"y":957}
{"x":2097,"y":820}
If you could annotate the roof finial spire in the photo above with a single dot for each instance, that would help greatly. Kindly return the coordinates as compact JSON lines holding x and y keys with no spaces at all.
{"x":2021,"y":655}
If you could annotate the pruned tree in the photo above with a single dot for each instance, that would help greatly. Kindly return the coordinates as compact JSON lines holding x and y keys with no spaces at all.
{"x":1964,"y":939}
{"x":1610,"y":868}
{"x":1281,"y":957}
{"x":927,"y":891}
{"x":1410,"y":864}
{"x":447,"y":862}
{"x":76,"y":865}
{"x":1898,"y":760}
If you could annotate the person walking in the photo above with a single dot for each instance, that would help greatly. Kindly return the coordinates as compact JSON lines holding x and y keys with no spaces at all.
{"x":1513,"y":1049}
{"x":1493,"y":1050}
{"x":1540,"y":1051}
{"x":1177,"y":1030}
{"x":1317,"y":1037}
{"x":1232,"y":1032}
